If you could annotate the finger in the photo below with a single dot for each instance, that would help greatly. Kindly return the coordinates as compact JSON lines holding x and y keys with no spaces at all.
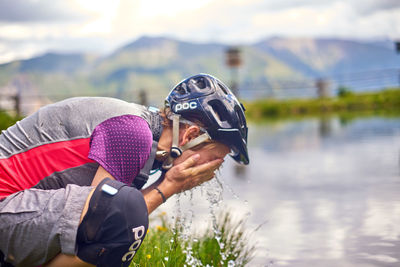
{"x":205,"y":177}
{"x":215,"y":164}
{"x":191,"y":161}
{"x":210,"y":166}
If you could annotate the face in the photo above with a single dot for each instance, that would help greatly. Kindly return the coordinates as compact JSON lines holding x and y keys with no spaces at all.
{"x":208,"y":152}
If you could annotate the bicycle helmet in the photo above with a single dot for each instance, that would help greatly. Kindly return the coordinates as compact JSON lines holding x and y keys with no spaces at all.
{"x":206,"y":99}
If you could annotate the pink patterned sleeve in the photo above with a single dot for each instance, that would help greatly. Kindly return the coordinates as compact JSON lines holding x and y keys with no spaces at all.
{"x":121,"y":145}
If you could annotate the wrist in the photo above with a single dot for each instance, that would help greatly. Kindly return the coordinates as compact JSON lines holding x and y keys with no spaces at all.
{"x":164,"y":199}
{"x":166,"y":188}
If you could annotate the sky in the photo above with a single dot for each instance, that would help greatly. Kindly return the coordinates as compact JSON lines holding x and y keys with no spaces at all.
{"x":33,"y":27}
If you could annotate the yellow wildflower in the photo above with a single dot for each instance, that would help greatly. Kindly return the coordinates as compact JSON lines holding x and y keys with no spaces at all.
{"x":161,"y":228}
{"x":148,"y":256}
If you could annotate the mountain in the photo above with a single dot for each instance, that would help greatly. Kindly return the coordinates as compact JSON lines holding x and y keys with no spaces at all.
{"x":160,"y":58}
{"x":155,"y":64}
{"x":330,"y":57}
{"x":50,"y":63}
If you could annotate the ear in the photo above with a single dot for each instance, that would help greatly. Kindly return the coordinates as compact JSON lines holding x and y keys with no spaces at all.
{"x":190,"y":133}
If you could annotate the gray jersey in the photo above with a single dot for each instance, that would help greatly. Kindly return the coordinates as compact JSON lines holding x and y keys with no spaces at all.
{"x":63,"y":123}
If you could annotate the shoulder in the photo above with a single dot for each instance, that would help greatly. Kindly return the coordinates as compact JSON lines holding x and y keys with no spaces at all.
{"x":121,"y":145}
{"x":125,"y":124}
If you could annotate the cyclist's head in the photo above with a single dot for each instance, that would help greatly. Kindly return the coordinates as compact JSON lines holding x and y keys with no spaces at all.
{"x":205,"y":101}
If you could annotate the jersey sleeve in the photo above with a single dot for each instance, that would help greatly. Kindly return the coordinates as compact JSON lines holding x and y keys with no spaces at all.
{"x":121,"y":145}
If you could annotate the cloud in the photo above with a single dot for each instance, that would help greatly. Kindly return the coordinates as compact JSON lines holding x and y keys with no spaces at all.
{"x":40,"y":11}
{"x":313,"y":18}
{"x":359,"y":6}
{"x":247,"y":21}
{"x":39,"y":25}
{"x":25,"y":49}
{"x":368,"y":7}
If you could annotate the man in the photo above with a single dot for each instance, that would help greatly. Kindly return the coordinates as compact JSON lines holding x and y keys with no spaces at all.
{"x":64,"y":171}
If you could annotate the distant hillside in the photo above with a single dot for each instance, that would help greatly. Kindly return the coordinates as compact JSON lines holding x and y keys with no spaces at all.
{"x":158,"y":63}
{"x":52,"y":63}
{"x":155,"y":64}
{"x":330,"y":57}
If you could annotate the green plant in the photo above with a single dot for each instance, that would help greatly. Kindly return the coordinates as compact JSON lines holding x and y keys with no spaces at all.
{"x":224,"y":244}
{"x":6,"y":120}
{"x":344,"y":91}
{"x":228,"y":244}
{"x":382,"y":102}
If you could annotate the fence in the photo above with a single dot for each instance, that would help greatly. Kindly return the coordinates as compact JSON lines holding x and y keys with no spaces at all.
{"x":14,"y":100}
{"x":326,"y":86}
{"x":23,"y":98}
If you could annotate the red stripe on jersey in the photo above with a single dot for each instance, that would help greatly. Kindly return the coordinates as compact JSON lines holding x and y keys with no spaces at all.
{"x":26,"y":169}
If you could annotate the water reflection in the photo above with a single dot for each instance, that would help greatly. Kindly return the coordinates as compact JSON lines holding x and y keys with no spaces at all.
{"x":327,"y":189}
{"x":325,"y":126}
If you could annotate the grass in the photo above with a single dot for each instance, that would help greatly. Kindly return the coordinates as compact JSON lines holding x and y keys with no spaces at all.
{"x":6,"y":120}
{"x":386,"y":102}
{"x":225,"y":245}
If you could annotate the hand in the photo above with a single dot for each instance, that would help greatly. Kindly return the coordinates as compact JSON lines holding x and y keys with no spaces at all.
{"x":186,"y":175}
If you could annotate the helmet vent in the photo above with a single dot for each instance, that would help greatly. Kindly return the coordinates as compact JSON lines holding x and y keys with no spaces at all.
{"x":242,"y":121}
{"x":223,"y":88}
{"x":200,"y":83}
{"x":219,"y":110}
{"x":182,"y":89}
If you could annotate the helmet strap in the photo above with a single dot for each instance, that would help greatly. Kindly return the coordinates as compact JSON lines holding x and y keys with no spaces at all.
{"x":176,"y":150}
{"x":175,"y":131}
{"x":196,"y":141}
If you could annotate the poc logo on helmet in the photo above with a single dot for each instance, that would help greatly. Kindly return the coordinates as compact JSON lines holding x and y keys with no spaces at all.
{"x":185,"y":106}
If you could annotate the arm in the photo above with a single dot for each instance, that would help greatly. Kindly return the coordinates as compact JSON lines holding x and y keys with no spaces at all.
{"x":62,"y":260}
{"x":179,"y":178}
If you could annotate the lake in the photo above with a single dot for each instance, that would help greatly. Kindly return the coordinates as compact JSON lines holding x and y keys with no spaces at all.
{"x":318,"y":192}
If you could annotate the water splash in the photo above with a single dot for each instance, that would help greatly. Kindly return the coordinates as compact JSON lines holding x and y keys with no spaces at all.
{"x":185,"y":214}
{"x":183,"y":226}
{"x":231,"y":263}
{"x":227,"y":186}
{"x":215,"y":196}
{"x":190,"y":259}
